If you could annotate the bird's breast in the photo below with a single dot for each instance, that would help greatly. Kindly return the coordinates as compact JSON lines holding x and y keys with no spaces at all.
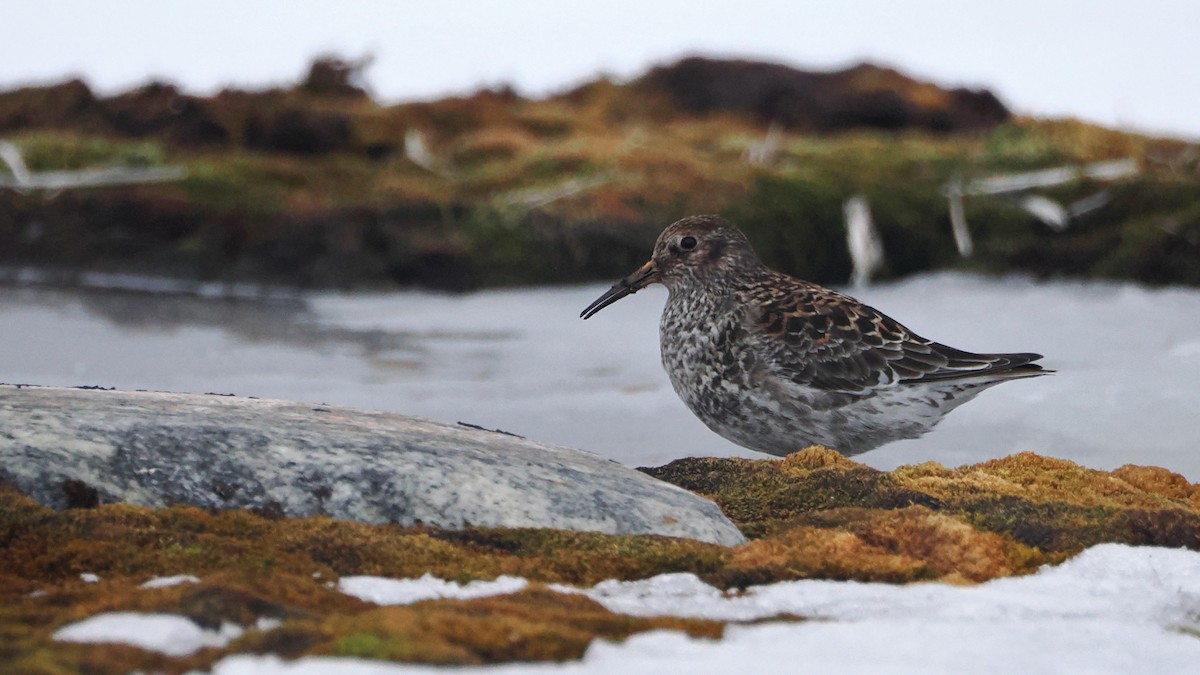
{"x":706,"y":354}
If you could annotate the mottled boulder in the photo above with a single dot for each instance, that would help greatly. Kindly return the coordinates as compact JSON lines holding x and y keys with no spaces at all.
{"x":77,"y":447}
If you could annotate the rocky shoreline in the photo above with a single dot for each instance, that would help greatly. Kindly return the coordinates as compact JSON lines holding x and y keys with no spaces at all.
{"x":811,"y":515}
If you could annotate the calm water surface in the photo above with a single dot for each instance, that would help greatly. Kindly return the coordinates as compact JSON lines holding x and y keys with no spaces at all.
{"x":1127,"y":390}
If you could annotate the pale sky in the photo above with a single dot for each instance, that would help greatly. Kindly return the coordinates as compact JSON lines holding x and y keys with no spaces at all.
{"x":1125,"y":64}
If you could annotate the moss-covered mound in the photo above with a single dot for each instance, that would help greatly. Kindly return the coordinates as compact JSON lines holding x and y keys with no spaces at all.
{"x":319,"y":185}
{"x":987,"y":519}
{"x":814,"y":514}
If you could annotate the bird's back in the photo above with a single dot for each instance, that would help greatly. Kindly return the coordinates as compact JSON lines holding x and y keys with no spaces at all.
{"x":832,"y":341}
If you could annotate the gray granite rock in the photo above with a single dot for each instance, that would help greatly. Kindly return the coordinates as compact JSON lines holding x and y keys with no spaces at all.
{"x":76,"y":447}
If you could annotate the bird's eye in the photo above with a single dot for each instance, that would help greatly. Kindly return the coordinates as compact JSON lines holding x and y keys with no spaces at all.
{"x":687,"y":243}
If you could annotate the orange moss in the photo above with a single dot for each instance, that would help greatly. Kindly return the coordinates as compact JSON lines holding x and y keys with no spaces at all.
{"x":812,"y":552}
{"x":1046,"y":479}
{"x":909,"y":544}
{"x":946,"y":545}
{"x":816,"y":457}
{"x":1161,"y":482}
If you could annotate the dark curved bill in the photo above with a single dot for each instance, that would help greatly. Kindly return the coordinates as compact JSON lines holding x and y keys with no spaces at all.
{"x":643,"y":277}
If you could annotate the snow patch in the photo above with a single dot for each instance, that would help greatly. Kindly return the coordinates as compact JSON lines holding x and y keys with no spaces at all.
{"x":1111,"y":609}
{"x":167,"y":582}
{"x":164,"y":633}
{"x":382,"y":591}
{"x":1154,"y":585}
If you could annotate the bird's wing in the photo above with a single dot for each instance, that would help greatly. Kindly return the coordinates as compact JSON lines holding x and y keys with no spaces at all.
{"x":829,"y":341}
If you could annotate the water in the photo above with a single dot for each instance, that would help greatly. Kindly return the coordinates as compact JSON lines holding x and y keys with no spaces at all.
{"x":521,"y":360}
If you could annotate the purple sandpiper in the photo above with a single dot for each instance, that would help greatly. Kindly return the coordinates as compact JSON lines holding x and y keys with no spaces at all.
{"x":776,"y":364}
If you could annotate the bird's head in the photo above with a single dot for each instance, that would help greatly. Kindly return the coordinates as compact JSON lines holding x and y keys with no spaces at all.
{"x":697,"y":251}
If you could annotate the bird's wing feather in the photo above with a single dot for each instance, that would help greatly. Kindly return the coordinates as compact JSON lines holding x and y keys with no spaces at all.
{"x":829,"y":341}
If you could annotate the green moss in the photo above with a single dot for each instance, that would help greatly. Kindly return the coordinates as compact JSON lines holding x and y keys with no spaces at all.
{"x":69,"y":151}
{"x":1162,"y":248}
{"x":1014,"y":146}
{"x":796,"y":226}
{"x":393,"y":647}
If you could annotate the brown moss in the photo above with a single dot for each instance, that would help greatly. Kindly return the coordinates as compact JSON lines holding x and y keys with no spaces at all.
{"x":492,"y":144}
{"x":535,"y":624}
{"x":585,"y":558}
{"x":762,"y":495}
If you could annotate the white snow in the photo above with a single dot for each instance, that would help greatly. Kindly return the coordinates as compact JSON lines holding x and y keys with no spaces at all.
{"x":165,"y":633}
{"x":383,"y":591}
{"x":167,"y":582}
{"x":1112,"y":609}
{"x":1149,"y":585}
{"x":89,"y":578}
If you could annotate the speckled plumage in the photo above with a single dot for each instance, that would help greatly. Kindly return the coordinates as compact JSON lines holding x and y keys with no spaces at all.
{"x":775,"y":364}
